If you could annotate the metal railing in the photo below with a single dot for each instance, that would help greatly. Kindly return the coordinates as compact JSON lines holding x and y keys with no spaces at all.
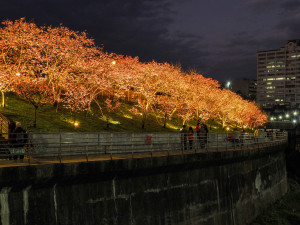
{"x":59,"y":147}
{"x":4,"y":124}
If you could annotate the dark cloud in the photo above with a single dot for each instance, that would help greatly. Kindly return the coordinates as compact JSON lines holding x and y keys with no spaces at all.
{"x":228,"y":69}
{"x":237,"y":57}
{"x":291,"y":5}
{"x":290,"y":27}
{"x":136,"y":28}
{"x":261,"y":6}
{"x":219,"y":39}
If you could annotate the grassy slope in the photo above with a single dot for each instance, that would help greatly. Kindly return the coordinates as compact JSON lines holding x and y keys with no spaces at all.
{"x":48,"y":120}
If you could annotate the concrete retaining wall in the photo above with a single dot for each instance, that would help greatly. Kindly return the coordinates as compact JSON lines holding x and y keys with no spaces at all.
{"x":215,"y":188}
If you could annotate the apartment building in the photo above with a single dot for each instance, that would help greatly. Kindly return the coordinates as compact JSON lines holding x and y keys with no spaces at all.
{"x":245,"y":87}
{"x":278,"y":77}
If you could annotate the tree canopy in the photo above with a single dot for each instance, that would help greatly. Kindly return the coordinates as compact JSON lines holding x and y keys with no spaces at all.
{"x":58,"y":65}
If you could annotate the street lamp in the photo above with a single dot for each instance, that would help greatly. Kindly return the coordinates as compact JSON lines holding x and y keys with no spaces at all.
{"x":228,"y":84}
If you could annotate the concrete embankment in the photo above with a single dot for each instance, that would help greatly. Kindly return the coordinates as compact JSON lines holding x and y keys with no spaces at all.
{"x":214,"y":188}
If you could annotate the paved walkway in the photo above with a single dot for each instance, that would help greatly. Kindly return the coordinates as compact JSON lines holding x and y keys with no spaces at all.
{"x":33,"y":161}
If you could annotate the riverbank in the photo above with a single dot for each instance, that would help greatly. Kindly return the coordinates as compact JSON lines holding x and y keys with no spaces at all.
{"x":285,"y":211}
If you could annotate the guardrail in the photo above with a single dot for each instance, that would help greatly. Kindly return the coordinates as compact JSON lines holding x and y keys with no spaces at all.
{"x":58,"y":147}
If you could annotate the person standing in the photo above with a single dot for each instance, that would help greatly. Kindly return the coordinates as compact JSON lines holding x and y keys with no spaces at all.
{"x":203,"y":136}
{"x":11,"y":138}
{"x":198,"y":133}
{"x":191,"y":137}
{"x":19,"y":141}
{"x":183,"y":132}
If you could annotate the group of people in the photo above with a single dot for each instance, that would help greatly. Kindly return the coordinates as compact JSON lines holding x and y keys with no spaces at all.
{"x":16,"y":140}
{"x":187,"y":136}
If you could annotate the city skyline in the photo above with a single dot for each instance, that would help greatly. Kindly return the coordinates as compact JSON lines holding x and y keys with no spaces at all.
{"x":219,"y":39}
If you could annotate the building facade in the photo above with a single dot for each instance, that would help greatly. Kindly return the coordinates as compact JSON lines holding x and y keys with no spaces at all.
{"x":245,"y":87}
{"x":278,"y":77}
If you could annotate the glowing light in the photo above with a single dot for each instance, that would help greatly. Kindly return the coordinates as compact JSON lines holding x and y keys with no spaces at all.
{"x":295,"y":113}
{"x":280,"y":117}
{"x":294,"y":121}
{"x":172,"y":126}
{"x":114,"y":122}
{"x":76,"y":124}
{"x":228,"y":84}
{"x":18,"y":74}
{"x":227,"y":128}
{"x":113,"y":62}
{"x":128,"y":116}
{"x":287,"y":115}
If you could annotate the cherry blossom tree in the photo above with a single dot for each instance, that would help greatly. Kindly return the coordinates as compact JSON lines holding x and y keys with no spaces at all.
{"x":34,"y":90}
{"x":58,"y":65}
{"x":111,"y":108}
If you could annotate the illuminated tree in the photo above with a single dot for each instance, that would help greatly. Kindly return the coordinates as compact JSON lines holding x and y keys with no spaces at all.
{"x":58,"y":54}
{"x":111,"y":108}
{"x":57,"y":65}
{"x":34,"y":90}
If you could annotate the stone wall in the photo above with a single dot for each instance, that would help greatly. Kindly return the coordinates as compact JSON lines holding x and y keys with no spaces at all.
{"x":215,"y":188}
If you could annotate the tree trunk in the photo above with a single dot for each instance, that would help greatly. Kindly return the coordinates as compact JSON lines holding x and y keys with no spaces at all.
{"x":35,"y":109}
{"x":3,"y":99}
{"x":143,"y":121}
{"x":107,"y":122}
{"x":165,"y":121}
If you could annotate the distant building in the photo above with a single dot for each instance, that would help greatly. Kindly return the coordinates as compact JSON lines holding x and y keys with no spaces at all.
{"x":278,"y":77}
{"x":245,"y":87}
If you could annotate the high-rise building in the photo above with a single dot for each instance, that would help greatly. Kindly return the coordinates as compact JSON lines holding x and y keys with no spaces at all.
{"x":278,"y":77}
{"x":245,"y":87}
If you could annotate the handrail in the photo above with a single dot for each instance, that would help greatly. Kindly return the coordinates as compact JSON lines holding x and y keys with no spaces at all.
{"x":39,"y":147}
{"x":4,"y":125}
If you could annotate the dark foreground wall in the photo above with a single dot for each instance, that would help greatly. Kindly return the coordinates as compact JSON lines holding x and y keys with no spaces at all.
{"x":224,"y":188}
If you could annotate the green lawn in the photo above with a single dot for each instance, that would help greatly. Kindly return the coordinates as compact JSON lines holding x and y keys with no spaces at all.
{"x":51,"y":120}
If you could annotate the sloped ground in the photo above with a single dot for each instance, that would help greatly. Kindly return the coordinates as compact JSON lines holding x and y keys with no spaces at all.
{"x":50,"y":119}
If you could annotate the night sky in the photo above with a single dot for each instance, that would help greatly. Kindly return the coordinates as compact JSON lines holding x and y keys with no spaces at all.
{"x":219,"y":38}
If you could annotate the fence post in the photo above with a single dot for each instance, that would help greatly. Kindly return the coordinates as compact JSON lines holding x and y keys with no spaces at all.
{"x":151,"y":145}
{"x":168,"y":144}
{"x":110,"y":148}
{"x":217,"y":141}
{"x":207,"y":134}
{"x":99,"y":141}
{"x":28,"y":149}
{"x":132,"y":146}
{"x":87,"y":148}
{"x":226,"y":140}
{"x":59,"y":154}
